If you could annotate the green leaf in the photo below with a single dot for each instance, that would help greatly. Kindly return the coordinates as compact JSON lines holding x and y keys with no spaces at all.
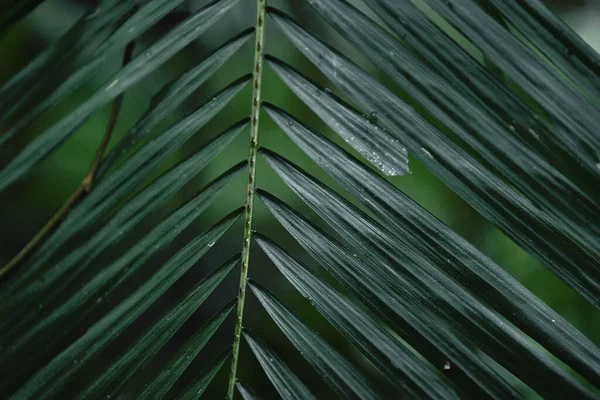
{"x":455,"y":65}
{"x":491,"y":197}
{"x":337,"y":371}
{"x":15,"y":11}
{"x":497,"y":100}
{"x":357,"y":130}
{"x":442,"y":296}
{"x":76,"y":46}
{"x":50,"y":379}
{"x":544,"y":40}
{"x":68,"y":311}
{"x":245,"y":392}
{"x":478,"y":125}
{"x":575,"y":114}
{"x":177,"y":364}
{"x":128,"y":31}
{"x":288,"y":385}
{"x":117,"y":185}
{"x":172,"y":96}
{"x":196,"y":388}
{"x":411,"y":230}
{"x":412,"y":376}
{"x":115,"y":376}
{"x":55,"y":280}
{"x":127,"y":76}
{"x":562,"y":33}
{"x":396,"y":301}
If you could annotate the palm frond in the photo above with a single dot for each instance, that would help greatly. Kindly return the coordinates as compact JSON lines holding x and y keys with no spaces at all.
{"x":496,"y":99}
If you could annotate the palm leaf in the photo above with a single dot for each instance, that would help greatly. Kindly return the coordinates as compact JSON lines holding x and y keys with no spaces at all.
{"x":287,"y":384}
{"x":497,"y":100}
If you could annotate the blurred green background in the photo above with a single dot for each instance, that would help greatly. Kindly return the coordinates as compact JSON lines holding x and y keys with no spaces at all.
{"x":27,"y":205}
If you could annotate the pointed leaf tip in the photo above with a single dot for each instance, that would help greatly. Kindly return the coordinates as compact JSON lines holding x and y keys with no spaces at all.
{"x":336,"y":370}
{"x":286,"y":383}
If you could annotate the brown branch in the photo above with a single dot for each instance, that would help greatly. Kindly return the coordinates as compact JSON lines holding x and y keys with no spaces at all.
{"x":86,"y":184}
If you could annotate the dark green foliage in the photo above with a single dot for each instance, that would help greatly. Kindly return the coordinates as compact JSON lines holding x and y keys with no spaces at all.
{"x":122,"y":297}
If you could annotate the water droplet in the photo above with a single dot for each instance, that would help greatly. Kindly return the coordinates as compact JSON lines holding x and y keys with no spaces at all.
{"x":112,"y":84}
{"x":211,"y":244}
{"x":427,"y":152}
{"x":336,"y":64}
{"x":290,"y":122}
{"x":447,"y":366}
{"x":553,"y":321}
{"x":373,"y":143}
{"x":94,"y":14}
{"x":372,"y":117}
{"x":533,"y":133}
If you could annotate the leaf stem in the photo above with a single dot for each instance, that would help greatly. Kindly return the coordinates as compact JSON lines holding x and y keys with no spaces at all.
{"x":256,"y":100}
{"x":86,"y":184}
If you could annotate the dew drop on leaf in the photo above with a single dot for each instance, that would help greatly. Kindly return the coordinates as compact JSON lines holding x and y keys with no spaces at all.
{"x":372,"y":117}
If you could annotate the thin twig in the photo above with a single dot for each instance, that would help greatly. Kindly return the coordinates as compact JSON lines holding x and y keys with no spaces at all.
{"x":86,"y":184}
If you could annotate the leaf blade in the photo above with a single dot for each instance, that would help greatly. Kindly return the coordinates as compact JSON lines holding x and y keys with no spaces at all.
{"x":115,"y":187}
{"x":287,"y":384}
{"x":437,"y":292}
{"x":112,"y":380}
{"x":491,"y":197}
{"x":54,"y":375}
{"x":401,"y":366}
{"x":476,"y":124}
{"x":337,"y":371}
{"x":184,"y":356}
{"x":386,"y":294}
{"x":67,"y":314}
{"x":196,"y":388}
{"x":173,"y":95}
{"x":139,"y":67}
{"x":415,"y":228}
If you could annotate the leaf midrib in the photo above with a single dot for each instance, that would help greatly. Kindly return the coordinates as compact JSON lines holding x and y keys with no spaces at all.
{"x":249,"y":207}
